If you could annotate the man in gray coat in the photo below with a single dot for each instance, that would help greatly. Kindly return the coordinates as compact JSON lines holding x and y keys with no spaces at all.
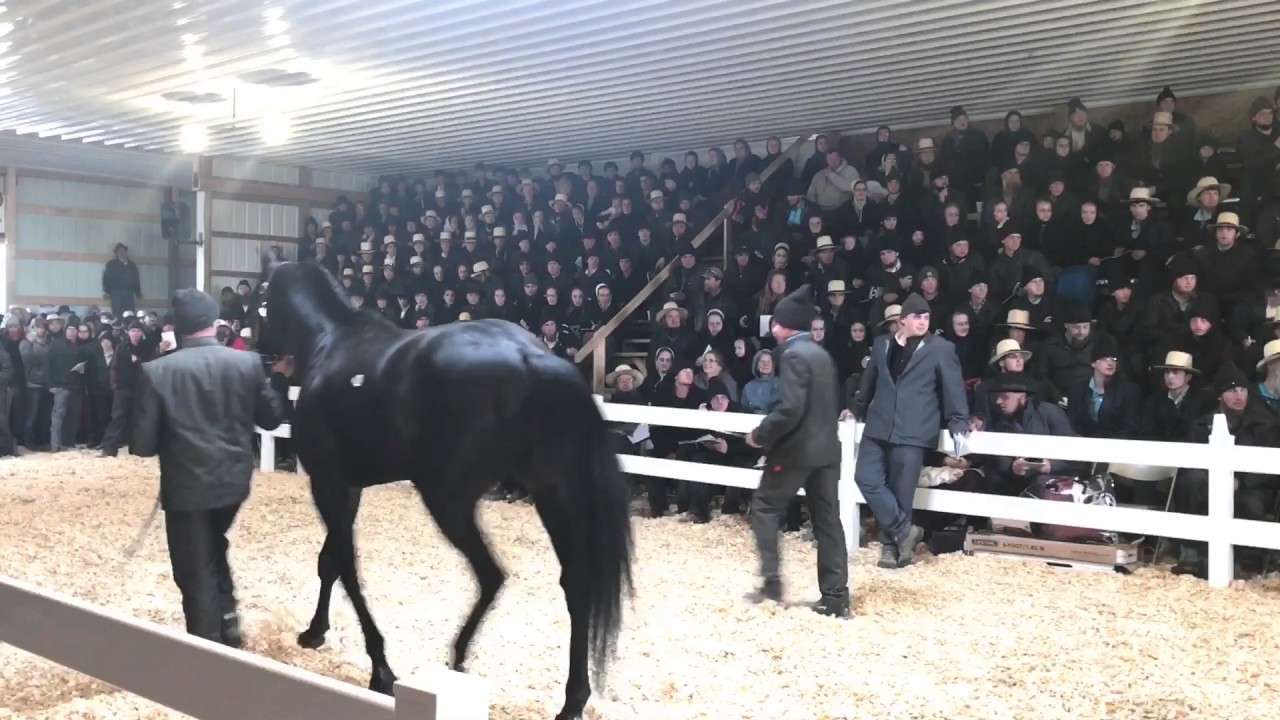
{"x":196,"y":408}
{"x":912,"y":384}
{"x":803,"y":450}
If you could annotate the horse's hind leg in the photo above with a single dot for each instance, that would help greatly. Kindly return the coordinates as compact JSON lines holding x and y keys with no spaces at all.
{"x":578,"y":688}
{"x":459,"y":526}
{"x":334,"y":507}
{"x":313,"y":636}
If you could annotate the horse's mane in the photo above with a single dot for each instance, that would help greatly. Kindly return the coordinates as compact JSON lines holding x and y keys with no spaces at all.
{"x":311,"y":292}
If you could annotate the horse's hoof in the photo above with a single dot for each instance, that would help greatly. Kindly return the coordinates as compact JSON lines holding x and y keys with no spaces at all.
{"x":310,"y":641}
{"x":383,"y":681}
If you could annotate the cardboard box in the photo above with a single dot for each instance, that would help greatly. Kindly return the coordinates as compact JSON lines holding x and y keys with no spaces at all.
{"x":1122,"y":555}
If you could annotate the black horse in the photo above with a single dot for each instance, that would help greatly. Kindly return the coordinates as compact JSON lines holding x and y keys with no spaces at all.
{"x":454,"y":410}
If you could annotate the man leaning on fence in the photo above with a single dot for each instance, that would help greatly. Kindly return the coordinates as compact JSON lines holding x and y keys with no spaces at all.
{"x":196,"y":408}
{"x":803,"y":451}
{"x":911,"y":385}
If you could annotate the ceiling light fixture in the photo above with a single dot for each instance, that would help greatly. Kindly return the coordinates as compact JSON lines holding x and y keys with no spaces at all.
{"x":275,"y":130}
{"x":194,"y":139}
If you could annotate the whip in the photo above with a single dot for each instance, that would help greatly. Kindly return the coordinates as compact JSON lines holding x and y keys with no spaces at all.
{"x":144,"y":531}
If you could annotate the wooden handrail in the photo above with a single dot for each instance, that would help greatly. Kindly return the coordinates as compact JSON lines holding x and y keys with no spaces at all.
{"x":597,"y":340}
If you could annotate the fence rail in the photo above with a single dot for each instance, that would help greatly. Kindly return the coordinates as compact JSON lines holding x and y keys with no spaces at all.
{"x":207,"y":680}
{"x":1222,"y":458}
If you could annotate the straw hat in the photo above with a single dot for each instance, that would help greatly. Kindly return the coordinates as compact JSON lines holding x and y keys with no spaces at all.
{"x":446,"y":235}
{"x":837,"y":287}
{"x":464,"y":316}
{"x":486,"y":210}
{"x":348,"y":272}
{"x":366,"y":247}
{"x":891,"y":313}
{"x":366,"y":270}
{"x":479,"y":267}
{"x":924,"y":144}
{"x":419,"y":238}
{"x":679,"y":218}
{"x":1207,"y":183}
{"x":1008,"y":347}
{"x":1162,"y":118}
{"x":672,"y":307}
{"x":1143,"y":194}
{"x":500,"y":231}
{"x":611,"y":380}
{"x":388,"y":240}
{"x":1175,"y":360}
{"x":560,"y":197}
{"x":1229,"y":219}
{"x":469,"y":235}
{"x":656,"y":195}
{"x":825,"y":243}
{"x":1018,"y":319}
{"x":1270,"y":351}
{"x":496,"y":190}
{"x":415,"y":260}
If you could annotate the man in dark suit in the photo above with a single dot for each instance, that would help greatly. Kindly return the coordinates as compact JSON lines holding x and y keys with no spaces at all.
{"x":912,"y":384}
{"x":803,"y":450}
{"x":196,"y":409}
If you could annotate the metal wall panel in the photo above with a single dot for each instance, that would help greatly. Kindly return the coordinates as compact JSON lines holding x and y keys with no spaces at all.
{"x":244,"y":255}
{"x":80,"y":280}
{"x":234,"y":216}
{"x":87,"y":235}
{"x":89,"y":196}
{"x":245,"y":169}
{"x":68,"y":157}
{"x":341,"y":181}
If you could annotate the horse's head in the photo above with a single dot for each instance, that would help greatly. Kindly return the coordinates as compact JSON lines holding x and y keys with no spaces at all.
{"x":300,"y":302}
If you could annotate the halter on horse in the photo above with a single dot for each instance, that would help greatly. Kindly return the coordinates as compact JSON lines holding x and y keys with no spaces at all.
{"x":452,"y":409}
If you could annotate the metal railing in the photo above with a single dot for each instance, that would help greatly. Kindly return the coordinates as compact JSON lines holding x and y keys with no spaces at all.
{"x":595,"y":346}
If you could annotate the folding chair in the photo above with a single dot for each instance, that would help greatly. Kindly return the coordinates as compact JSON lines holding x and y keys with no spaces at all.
{"x":1136,"y":474}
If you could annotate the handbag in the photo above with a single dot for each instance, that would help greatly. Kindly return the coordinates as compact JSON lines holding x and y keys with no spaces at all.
{"x":1095,"y":490}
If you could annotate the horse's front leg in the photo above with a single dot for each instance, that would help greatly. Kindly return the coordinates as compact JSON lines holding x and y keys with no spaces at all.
{"x":327,"y":568}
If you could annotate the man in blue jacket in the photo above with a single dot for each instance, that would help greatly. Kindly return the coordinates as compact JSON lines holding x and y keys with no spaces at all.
{"x":912,"y":384}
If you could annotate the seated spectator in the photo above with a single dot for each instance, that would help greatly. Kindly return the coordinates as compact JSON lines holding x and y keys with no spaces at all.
{"x":1105,"y":405}
{"x":1009,"y":357}
{"x":714,"y":367}
{"x":1250,"y":424}
{"x":1169,"y":415}
{"x":761,"y":394}
{"x":714,"y":448}
{"x":1022,"y":413}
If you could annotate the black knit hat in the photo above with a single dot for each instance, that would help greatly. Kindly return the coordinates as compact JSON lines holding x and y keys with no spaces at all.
{"x":796,"y":311}
{"x":914,"y":305}
{"x":1230,"y":376}
{"x":193,"y":311}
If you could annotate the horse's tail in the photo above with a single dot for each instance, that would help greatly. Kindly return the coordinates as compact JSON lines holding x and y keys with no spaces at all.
{"x":599,"y":499}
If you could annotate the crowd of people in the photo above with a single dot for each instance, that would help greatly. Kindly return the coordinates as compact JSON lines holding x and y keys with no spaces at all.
{"x":1092,"y":281}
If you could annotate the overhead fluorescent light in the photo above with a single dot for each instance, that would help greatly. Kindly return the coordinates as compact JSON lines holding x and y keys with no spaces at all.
{"x":275,"y":130}
{"x":194,"y":139}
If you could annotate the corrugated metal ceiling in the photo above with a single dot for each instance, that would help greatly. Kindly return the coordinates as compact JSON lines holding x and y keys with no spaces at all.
{"x":406,"y":85}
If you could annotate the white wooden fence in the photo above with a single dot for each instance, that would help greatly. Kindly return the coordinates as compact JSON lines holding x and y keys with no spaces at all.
{"x":208,"y":680}
{"x":1221,"y":457}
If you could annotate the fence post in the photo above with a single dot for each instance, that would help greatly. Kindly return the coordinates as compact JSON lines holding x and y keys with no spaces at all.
{"x":846,"y":489}
{"x":443,"y":695}
{"x":1222,"y":500}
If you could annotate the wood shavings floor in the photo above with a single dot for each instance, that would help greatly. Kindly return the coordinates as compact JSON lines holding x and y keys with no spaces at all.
{"x":951,"y":638}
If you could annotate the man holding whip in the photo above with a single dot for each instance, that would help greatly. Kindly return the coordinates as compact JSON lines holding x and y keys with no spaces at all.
{"x":803,"y":451}
{"x":196,"y":409}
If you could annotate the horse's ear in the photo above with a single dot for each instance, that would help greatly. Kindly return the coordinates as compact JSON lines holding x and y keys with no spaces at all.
{"x":269,"y":264}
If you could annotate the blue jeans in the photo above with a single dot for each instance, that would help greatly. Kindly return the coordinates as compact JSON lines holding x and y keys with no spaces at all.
{"x":887,"y":475}
{"x":58,"y":418}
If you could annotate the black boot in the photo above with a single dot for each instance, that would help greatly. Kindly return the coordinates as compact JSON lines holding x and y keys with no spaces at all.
{"x":835,"y":605}
{"x":231,"y":635}
{"x":768,"y":590}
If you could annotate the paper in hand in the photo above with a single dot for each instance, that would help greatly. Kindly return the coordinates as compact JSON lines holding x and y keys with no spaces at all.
{"x":960,"y":443}
{"x":168,"y":336}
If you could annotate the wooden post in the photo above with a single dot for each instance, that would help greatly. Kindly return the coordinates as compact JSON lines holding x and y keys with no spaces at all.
{"x":598,"y":368}
{"x":727,"y":223}
{"x":443,"y":695}
{"x":1222,"y":506}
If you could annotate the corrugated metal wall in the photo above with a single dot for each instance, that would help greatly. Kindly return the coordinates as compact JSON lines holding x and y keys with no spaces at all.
{"x":66,"y":230}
